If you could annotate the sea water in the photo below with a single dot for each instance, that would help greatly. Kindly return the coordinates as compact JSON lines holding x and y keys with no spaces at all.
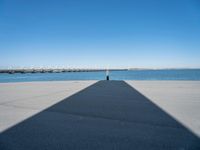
{"x":174,"y":74}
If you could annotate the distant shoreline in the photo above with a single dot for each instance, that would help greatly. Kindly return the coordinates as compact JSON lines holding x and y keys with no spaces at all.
{"x":13,"y":71}
{"x":23,"y":71}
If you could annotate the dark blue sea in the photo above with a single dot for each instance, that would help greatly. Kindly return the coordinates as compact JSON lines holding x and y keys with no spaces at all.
{"x":179,"y":74}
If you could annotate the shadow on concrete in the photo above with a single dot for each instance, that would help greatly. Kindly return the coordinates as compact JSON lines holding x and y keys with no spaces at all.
{"x":107,"y":115}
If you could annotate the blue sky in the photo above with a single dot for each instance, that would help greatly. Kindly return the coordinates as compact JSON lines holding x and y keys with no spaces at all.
{"x":100,"y":33}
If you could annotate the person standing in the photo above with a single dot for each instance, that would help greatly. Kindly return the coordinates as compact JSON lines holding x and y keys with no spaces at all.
{"x":107,"y":74}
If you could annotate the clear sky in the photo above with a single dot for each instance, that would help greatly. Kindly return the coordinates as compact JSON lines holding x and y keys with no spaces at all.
{"x":100,"y":33}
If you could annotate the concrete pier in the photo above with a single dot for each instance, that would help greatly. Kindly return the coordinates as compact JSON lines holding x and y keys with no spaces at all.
{"x":100,"y":115}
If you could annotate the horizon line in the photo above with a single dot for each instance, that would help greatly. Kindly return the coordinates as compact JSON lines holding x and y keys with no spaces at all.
{"x":99,"y":68}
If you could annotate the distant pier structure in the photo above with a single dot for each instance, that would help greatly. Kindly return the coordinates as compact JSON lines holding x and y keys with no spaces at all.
{"x":22,"y":71}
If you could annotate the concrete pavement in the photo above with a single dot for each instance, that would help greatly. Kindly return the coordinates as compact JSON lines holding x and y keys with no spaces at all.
{"x":99,"y":115}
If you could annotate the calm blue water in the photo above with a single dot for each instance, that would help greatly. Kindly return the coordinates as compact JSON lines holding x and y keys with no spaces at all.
{"x":185,"y":74}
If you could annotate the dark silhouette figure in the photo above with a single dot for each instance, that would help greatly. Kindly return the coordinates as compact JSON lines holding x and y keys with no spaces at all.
{"x":107,"y":75}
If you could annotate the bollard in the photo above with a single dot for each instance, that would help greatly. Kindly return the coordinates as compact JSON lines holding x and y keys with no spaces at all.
{"x":107,"y":75}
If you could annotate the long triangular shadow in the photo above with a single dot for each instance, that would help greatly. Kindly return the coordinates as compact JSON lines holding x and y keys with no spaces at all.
{"x":106,"y":115}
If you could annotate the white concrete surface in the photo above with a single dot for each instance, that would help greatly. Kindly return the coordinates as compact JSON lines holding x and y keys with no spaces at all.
{"x":180,"y":99}
{"x":19,"y":101}
{"x":100,"y":115}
